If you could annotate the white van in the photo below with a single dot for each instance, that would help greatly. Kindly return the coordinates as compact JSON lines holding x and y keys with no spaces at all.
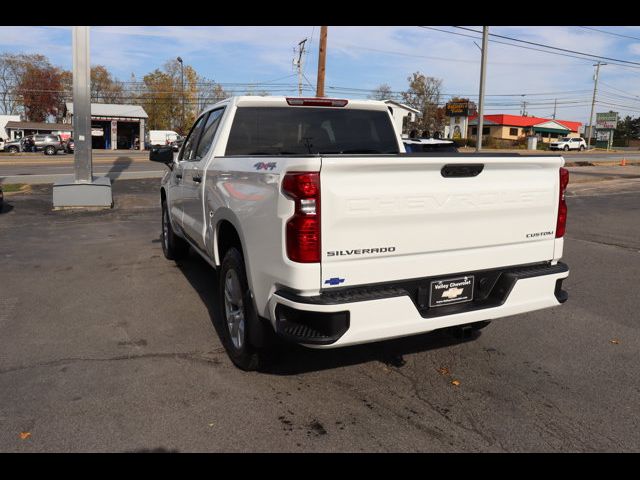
{"x":162,"y":137}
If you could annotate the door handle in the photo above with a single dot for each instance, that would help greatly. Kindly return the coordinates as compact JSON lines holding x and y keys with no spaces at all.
{"x":197,"y":178}
{"x":179,"y":176}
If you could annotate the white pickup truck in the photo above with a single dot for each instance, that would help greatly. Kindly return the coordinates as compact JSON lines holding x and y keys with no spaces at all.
{"x":325,"y":232}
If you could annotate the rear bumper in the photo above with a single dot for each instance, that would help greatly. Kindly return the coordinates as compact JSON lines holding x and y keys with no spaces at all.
{"x":366,"y":314}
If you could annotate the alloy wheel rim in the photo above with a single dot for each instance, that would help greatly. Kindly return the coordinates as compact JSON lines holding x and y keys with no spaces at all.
{"x":233,"y":307}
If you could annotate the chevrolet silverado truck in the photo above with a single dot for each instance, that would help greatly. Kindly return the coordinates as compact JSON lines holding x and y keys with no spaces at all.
{"x":325,"y":232}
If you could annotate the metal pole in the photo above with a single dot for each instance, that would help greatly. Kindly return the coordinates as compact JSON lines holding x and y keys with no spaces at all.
{"x":483,"y":72}
{"x":555,"y":102}
{"x":182,"y":83}
{"x":82,"y":105}
{"x":322,"y":60}
{"x":593,"y":102}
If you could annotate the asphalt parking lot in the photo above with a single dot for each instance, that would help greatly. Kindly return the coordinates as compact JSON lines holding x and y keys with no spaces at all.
{"x":107,"y":346}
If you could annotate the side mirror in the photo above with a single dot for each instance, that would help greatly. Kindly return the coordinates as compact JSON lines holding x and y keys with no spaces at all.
{"x":163,"y":154}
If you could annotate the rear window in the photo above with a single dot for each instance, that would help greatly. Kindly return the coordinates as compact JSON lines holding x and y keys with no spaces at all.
{"x":304,"y":131}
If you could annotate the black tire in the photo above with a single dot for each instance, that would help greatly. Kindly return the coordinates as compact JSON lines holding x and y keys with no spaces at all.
{"x":235,"y":300}
{"x":566,"y":148}
{"x":13,"y":149}
{"x":173,"y":247}
{"x":581,"y":148}
{"x":50,"y":150}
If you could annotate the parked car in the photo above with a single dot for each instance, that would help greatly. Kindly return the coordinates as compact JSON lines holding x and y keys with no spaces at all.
{"x":176,"y":144}
{"x":50,"y":144}
{"x":412,"y":145}
{"x":568,"y":143}
{"x":69,"y":146}
{"x":14,"y":146}
{"x":325,"y":234}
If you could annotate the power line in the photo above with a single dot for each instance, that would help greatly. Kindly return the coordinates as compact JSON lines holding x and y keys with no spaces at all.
{"x":591,"y":55}
{"x":527,"y":48}
{"x":610,"y":33}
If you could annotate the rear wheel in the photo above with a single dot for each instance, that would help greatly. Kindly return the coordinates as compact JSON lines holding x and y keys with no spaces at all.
{"x":173,"y":247}
{"x":566,"y":148}
{"x":238,"y":315}
{"x":50,"y":150}
{"x":581,"y":148}
{"x":13,"y":149}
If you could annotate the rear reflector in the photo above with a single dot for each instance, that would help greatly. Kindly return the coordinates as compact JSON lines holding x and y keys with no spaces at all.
{"x":562,"y":204}
{"x":316,"y":102}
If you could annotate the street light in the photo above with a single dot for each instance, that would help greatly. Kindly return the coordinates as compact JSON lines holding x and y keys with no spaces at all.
{"x":182,"y":77}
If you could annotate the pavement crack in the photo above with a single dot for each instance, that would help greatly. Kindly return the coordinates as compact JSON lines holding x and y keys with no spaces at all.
{"x":209,"y":358}
{"x":610,"y":244}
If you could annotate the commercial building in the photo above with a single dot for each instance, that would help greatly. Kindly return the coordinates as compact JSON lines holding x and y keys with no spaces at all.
{"x":114,"y":126}
{"x":516,"y":127}
{"x":18,"y":129}
{"x":4,"y":119}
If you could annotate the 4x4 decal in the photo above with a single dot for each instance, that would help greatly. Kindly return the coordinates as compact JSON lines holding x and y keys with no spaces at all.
{"x":265,"y":165}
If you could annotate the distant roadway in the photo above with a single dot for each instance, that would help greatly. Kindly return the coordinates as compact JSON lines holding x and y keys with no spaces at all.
{"x":126,"y":164}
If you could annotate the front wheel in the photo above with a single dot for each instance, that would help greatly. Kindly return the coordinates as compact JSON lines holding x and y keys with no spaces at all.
{"x":581,"y":148}
{"x":236,"y":311}
{"x":173,"y":247}
{"x":566,"y":148}
{"x":13,"y":149}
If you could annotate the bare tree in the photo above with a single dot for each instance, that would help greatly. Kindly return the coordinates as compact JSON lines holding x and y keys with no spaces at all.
{"x":12,"y":70}
{"x":208,"y":93}
{"x":424,"y":94}
{"x":383,"y":92}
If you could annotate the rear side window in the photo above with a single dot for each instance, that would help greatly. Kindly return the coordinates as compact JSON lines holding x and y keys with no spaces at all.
{"x":305,"y":130}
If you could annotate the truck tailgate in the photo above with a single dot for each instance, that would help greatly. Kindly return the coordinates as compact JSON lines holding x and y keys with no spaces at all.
{"x":398,"y":217}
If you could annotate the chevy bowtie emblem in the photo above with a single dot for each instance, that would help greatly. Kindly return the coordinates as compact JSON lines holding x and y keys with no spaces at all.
{"x":334,"y":281}
{"x":452,"y":292}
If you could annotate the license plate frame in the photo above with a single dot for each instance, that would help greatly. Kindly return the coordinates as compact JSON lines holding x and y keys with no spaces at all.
{"x":451,"y":291}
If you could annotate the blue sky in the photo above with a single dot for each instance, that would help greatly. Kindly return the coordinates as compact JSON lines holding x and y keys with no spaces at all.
{"x":365,"y":57}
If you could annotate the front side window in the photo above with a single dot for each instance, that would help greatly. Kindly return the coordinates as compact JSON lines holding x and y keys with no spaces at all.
{"x":307,"y":130}
{"x":188,"y":151}
{"x":209,"y":133}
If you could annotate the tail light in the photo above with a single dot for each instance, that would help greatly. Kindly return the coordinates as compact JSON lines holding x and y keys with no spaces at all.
{"x":562,"y":204}
{"x":303,"y":228}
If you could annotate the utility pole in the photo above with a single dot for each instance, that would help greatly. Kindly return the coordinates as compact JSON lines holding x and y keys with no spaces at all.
{"x":483,"y":73}
{"x":82,"y":190}
{"x":523,"y":104}
{"x":182,"y":82}
{"x":555,"y":103}
{"x":298,"y":64}
{"x":593,"y":102}
{"x":322,"y":60}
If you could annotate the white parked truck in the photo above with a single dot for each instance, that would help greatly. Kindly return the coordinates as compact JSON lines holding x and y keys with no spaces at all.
{"x":325,"y":232}
{"x":162,"y":137}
